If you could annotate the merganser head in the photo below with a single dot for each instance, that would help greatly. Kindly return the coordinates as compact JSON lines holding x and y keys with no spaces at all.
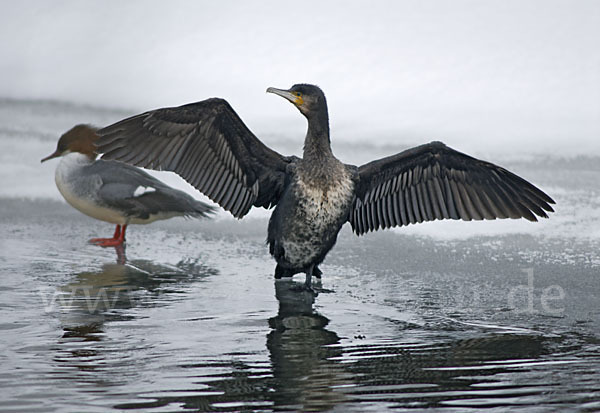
{"x":309,"y":99}
{"x":80,"y":139}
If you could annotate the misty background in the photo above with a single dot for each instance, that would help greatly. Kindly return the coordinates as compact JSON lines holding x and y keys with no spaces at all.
{"x":513,"y":82}
{"x":488,"y":77}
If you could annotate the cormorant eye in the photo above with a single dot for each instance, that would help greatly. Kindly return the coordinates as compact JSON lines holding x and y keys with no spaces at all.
{"x":298,"y":94}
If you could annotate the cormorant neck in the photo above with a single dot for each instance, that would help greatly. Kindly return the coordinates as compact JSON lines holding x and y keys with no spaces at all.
{"x":317,"y":143}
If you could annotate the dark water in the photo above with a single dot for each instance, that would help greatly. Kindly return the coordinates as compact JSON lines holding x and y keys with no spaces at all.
{"x":193,"y":320}
{"x":444,"y":316}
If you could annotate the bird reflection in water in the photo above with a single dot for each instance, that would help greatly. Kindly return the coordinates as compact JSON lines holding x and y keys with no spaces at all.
{"x":301,"y":351}
{"x":92,"y":294}
{"x":94,"y":298}
{"x":120,"y":251}
{"x":91,"y":299}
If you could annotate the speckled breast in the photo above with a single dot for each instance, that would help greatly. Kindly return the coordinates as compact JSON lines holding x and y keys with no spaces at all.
{"x":319,"y":213}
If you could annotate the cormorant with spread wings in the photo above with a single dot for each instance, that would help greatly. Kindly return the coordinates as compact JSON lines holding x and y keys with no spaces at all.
{"x":314,"y":196}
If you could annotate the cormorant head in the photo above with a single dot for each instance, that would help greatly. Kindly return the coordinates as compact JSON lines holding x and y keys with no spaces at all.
{"x":309,"y":99}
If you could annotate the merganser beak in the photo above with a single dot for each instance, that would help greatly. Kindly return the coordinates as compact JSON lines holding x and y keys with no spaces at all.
{"x":56,"y":154}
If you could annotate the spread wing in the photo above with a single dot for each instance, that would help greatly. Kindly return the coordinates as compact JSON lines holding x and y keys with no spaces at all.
{"x":433,"y":181}
{"x":208,"y":145}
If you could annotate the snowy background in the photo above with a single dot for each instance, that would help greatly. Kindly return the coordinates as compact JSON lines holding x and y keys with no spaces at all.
{"x":486,"y":76}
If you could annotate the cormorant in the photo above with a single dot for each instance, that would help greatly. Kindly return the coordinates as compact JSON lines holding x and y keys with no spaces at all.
{"x":314,"y":196}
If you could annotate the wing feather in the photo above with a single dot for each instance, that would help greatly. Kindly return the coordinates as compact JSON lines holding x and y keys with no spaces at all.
{"x":402,"y":207}
{"x":208,"y":145}
{"x":409,"y":207}
{"x":433,"y":182}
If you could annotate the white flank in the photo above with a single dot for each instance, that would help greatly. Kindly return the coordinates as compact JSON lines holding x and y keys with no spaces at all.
{"x":141,"y":190}
{"x":80,"y":191}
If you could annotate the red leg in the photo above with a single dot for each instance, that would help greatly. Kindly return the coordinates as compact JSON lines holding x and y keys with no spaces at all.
{"x":117,"y":239}
{"x":122,"y":236}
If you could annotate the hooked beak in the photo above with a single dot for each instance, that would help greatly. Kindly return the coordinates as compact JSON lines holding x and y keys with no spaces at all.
{"x":296,"y":100}
{"x":56,"y":154}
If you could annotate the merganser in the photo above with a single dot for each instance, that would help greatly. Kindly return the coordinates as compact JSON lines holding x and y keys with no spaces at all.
{"x":112,"y":191}
{"x":208,"y":145}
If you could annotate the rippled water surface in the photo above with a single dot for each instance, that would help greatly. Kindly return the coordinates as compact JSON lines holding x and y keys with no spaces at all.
{"x":451,"y":316}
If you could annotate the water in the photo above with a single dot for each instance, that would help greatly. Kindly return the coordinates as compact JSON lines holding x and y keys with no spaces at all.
{"x":452,"y":316}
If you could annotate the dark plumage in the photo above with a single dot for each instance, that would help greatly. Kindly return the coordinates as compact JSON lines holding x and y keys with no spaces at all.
{"x":209,"y":145}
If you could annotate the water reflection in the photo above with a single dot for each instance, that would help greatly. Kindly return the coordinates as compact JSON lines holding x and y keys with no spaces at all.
{"x":120,"y":251}
{"x":299,"y":375}
{"x":310,"y":368}
{"x":93,"y":298}
{"x":301,"y":351}
{"x":103,"y":294}
{"x":444,"y":372}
